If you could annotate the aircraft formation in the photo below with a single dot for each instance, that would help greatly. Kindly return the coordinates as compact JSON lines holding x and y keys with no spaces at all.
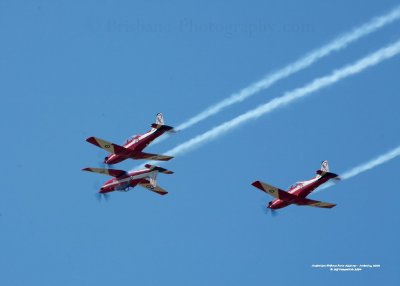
{"x":133,"y":148}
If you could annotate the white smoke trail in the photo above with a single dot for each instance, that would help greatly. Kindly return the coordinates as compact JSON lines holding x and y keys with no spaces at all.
{"x":319,"y":83}
{"x":382,"y":159}
{"x":302,"y":63}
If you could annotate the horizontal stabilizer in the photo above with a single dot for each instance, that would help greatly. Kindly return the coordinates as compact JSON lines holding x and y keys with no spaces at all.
{"x":159,"y":169}
{"x":160,"y":127}
{"x":149,"y":156}
{"x":329,"y":174}
{"x":156,"y":189}
{"x":108,"y":146}
{"x":110,"y":172}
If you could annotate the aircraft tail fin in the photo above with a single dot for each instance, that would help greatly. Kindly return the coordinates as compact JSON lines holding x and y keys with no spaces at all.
{"x":159,"y":125}
{"x":325,"y":166}
{"x":324,"y":171}
{"x":160,"y":118}
{"x":159,"y":169}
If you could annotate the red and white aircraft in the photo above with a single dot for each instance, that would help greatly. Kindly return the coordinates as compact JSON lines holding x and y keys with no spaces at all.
{"x":123,"y":181}
{"x":298,"y":192}
{"x":134,"y":145}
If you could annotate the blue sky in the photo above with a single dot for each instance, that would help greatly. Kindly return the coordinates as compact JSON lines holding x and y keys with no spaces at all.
{"x":73,"y":70}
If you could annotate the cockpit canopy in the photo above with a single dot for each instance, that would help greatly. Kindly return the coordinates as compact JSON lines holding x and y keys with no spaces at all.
{"x":295,"y":185}
{"x":130,"y":139}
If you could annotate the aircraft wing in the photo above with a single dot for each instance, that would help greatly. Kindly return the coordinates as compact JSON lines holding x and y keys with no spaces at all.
{"x":274,"y":191}
{"x":156,"y":189}
{"x":108,"y":146}
{"x":149,"y":156}
{"x":110,"y":172}
{"x":312,"y":203}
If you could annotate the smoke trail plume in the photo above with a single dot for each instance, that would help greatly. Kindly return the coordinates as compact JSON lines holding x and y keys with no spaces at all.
{"x":302,"y":63}
{"x":289,"y":97}
{"x":382,"y":159}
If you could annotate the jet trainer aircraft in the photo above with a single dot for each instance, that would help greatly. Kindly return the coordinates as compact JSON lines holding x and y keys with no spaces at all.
{"x":297,"y":193}
{"x":134,"y":145}
{"x":123,"y":181}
